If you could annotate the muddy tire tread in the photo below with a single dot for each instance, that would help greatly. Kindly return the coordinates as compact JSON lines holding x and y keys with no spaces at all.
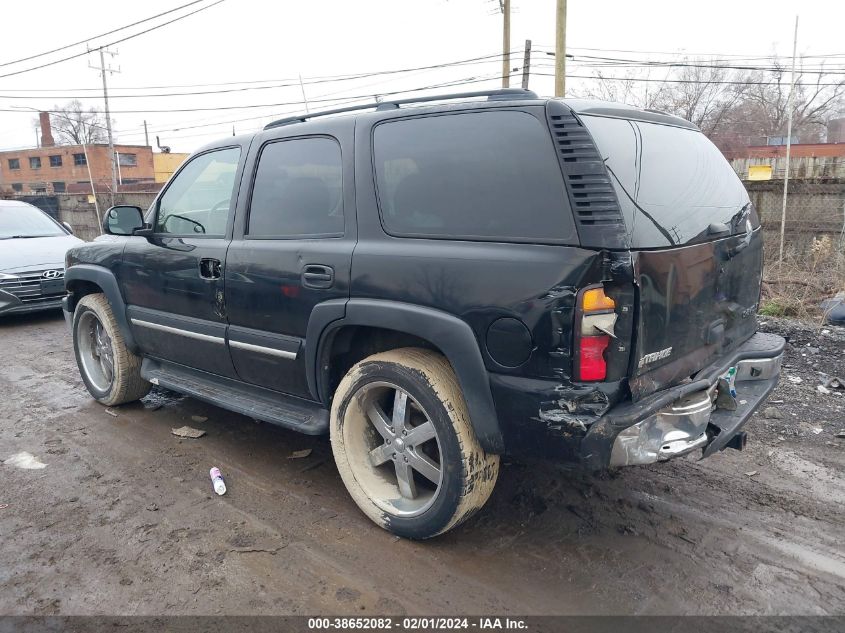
{"x":480,"y":469}
{"x":127,"y":385}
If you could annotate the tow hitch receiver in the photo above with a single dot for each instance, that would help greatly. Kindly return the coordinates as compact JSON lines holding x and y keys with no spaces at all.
{"x":738,"y":441}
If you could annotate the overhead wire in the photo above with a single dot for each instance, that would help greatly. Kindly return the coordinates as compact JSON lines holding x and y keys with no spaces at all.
{"x":112,"y":43}
{"x":94,"y":37}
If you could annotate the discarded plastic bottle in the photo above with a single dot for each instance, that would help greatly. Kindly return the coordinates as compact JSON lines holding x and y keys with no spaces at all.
{"x":217,"y":480}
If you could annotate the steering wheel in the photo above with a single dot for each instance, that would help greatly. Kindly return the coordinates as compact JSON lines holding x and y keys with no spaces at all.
{"x":219,"y":205}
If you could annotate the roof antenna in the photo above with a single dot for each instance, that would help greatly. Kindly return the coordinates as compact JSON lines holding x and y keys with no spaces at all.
{"x":164,"y":148}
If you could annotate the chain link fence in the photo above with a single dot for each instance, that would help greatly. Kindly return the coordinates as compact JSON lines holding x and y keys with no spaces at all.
{"x":813,"y":265}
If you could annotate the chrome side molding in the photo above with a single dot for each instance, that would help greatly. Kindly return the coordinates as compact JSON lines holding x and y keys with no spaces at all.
{"x":270,"y":351}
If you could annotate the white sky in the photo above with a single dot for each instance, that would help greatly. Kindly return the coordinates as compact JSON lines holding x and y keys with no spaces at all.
{"x":252,"y":40}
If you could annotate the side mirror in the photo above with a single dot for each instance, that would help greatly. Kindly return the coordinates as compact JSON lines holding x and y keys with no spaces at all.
{"x":123,"y":220}
{"x":68,"y":227}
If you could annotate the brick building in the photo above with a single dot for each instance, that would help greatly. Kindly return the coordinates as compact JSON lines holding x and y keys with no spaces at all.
{"x":55,"y":168}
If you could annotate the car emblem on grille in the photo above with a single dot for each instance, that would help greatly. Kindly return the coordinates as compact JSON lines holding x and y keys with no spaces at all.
{"x":52,"y":274}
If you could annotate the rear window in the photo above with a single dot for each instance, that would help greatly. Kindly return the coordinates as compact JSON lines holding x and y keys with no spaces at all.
{"x":478,"y":175}
{"x":672,"y":183}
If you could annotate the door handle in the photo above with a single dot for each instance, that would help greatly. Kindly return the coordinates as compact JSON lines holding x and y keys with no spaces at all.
{"x":317,"y":276}
{"x":210,"y":268}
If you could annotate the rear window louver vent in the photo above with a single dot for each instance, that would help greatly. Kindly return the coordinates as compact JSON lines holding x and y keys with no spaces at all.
{"x":591,"y":194}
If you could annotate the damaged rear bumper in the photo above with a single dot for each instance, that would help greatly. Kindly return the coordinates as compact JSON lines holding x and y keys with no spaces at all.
{"x":704,"y":414}
{"x":588,"y":425}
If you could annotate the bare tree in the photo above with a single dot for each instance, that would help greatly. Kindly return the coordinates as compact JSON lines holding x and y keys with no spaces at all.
{"x":74,"y":125}
{"x":818,"y":97}
{"x":734,"y":107}
{"x":704,"y":94}
{"x":636,"y":89}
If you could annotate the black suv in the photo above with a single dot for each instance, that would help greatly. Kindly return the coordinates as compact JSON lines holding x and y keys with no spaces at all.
{"x":438,"y":282}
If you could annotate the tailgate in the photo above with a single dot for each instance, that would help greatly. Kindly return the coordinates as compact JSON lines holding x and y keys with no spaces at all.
{"x":695,"y":243}
{"x":694,"y":304}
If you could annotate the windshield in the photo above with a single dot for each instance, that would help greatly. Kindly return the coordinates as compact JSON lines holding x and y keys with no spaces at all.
{"x":26,"y":221}
{"x":673,"y":184}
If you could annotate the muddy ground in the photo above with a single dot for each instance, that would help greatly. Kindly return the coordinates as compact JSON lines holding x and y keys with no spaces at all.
{"x":122,"y":520}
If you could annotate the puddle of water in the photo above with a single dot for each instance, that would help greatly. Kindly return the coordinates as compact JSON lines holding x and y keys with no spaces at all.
{"x":24,"y":460}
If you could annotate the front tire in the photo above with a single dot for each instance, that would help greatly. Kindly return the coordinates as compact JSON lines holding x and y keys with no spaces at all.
{"x":404,"y":446}
{"x":109,"y":370}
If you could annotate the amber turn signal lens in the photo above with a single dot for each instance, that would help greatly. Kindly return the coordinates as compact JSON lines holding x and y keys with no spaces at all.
{"x":594,"y":299}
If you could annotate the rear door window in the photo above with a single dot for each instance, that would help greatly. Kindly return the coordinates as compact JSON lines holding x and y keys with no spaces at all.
{"x":672,"y":182}
{"x":298,"y":190}
{"x":478,"y":175}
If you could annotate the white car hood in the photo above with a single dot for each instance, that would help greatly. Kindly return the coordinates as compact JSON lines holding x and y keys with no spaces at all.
{"x":35,"y":253}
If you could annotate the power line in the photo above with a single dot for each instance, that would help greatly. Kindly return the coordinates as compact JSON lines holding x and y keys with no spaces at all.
{"x":124,"y":39}
{"x":94,"y":37}
{"x":687,"y":81}
{"x":682,"y":53}
{"x":337,"y":100}
{"x":614,"y":62}
{"x":468,"y":62}
{"x":485,"y":59}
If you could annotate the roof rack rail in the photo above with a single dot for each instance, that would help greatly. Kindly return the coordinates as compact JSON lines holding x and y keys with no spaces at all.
{"x":502,"y":94}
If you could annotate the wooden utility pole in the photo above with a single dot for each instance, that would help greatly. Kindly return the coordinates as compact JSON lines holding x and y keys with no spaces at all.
{"x":560,"y":49}
{"x":103,"y":70}
{"x":505,"y":5}
{"x":526,"y":65}
{"x":146,"y":135}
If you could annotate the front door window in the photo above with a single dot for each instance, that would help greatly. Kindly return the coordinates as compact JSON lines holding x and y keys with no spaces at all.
{"x":198,"y":201}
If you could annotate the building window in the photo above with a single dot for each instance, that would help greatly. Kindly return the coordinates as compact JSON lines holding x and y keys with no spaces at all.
{"x":35,"y":162}
{"x":14,"y":163}
{"x":38,"y":187}
{"x":16,"y":186}
{"x":79,"y":159}
{"x":55,"y":161}
{"x":59,"y":187}
{"x":127,"y":160}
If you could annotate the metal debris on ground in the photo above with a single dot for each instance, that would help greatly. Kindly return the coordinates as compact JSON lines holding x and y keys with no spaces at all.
{"x":840,"y":434}
{"x":300,"y":454}
{"x":111,"y":412}
{"x":187,"y":431}
{"x":817,"y":430}
{"x":198,"y":418}
{"x":752,"y":473}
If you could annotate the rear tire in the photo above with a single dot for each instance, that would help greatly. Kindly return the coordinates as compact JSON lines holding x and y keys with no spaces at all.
{"x":404,"y":446}
{"x":109,"y":370}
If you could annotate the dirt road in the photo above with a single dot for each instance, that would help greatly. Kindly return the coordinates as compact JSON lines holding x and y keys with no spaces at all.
{"x":122,"y":520}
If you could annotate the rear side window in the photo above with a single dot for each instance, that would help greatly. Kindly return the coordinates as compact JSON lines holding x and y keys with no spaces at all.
{"x":672,"y":183}
{"x":479,"y":175}
{"x":298,"y":190}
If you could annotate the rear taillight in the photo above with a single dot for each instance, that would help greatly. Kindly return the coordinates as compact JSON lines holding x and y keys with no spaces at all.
{"x":597,"y":317}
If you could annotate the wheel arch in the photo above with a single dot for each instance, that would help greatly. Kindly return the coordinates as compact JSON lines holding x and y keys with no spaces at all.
{"x":84,"y":279}
{"x":412,"y":325}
